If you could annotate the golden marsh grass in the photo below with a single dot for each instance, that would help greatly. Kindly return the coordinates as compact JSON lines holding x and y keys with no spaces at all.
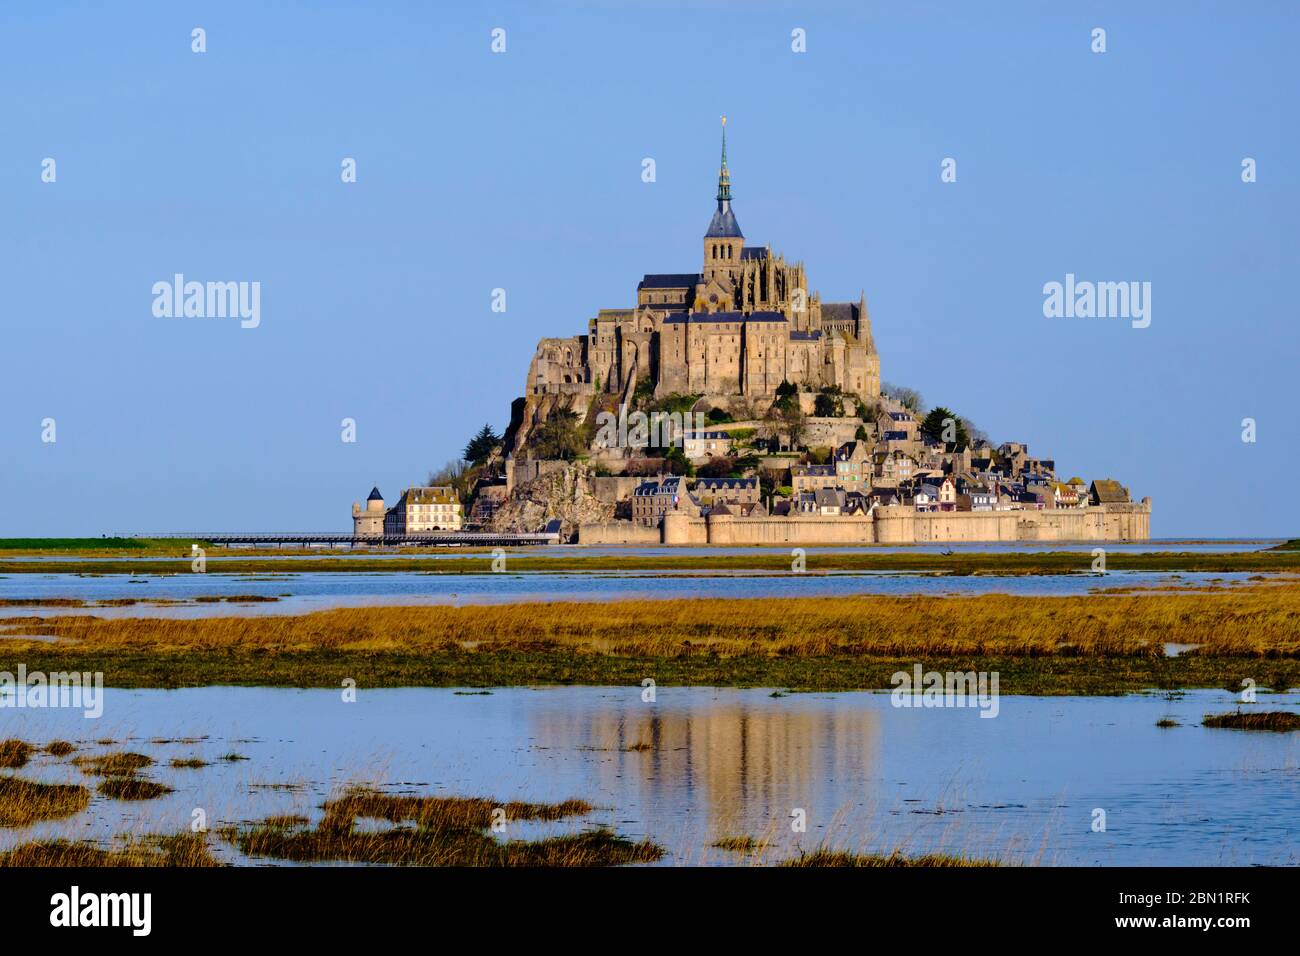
{"x":1249,"y":622}
{"x":434,"y":831}
{"x":1256,"y":621}
{"x":180,"y":850}
{"x":1276,"y":720}
{"x":1083,"y":644}
{"x":23,"y":802}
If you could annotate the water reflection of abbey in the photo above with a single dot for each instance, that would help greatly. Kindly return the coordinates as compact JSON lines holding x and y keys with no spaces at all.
{"x":735,"y":761}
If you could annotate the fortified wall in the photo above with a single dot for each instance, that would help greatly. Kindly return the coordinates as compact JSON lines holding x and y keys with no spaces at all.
{"x":888,"y":525}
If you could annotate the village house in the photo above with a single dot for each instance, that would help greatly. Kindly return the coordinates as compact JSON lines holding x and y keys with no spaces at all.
{"x":976,"y":497}
{"x":892,"y":468}
{"x":926,"y":497}
{"x":811,"y":477}
{"x":421,"y":510}
{"x":1067,"y":496}
{"x":882,"y":497}
{"x":853,"y":467}
{"x":830,"y":501}
{"x":1105,"y":491}
{"x":741,"y":491}
{"x":654,"y":499}
{"x":708,"y":444}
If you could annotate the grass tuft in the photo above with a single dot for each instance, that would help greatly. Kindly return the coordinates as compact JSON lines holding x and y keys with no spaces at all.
{"x":740,"y":844}
{"x":15,"y":754}
{"x":113,"y":765}
{"x":1265,"y":720}
{"x":23,"y":802}
{"x":189,"y":763}
{"x":132,"y":788}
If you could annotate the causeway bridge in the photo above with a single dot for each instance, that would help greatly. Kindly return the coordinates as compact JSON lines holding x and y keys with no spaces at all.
{"x":333,"y":539}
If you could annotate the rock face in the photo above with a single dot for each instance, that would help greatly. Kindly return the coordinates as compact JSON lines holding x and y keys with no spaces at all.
{"x":564,"y":495}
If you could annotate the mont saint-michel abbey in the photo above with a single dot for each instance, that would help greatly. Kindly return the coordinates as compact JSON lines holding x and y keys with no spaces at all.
{"x":739,"y":327}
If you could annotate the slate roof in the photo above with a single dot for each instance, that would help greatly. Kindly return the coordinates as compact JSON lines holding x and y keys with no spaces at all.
{"x":842,"y":312}
{"x":717,"y":484}
{"x":434,"y":494}
{"x":702,"y":317}
{"x":846,"y":451}
{"x":813,"y":471}
{"x":1107,"y":491}
{"x":754,"y":252}
{"x":839,"y":312}
{"x":670,"y":280}
{"x":723,"y":225}
{"x":375,"y":495}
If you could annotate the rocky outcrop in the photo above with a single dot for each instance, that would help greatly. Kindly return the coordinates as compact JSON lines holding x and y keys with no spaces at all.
{"x":566,"y":495}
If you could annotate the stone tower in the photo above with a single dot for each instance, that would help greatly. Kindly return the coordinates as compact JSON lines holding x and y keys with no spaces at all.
{"x":369,"y":522}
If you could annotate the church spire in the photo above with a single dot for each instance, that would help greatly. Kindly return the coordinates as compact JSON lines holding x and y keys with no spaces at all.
{"x":724,"y":223}
{"x":724,"y":177}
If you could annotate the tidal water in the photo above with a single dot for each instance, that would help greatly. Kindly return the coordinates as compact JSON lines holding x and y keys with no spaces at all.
{"x":1154,"y":545}
{"x":697,"y":765}
{"x":298,"y":593}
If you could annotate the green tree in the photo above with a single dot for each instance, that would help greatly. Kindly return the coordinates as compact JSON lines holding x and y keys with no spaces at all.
{"x":481,"y":446}
{"x":559,"y":437}
{"x":830,"y":403}
{"x":944,"y":425}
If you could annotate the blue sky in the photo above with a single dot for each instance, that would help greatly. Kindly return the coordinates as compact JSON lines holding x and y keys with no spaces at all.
{"x":522,"y":171}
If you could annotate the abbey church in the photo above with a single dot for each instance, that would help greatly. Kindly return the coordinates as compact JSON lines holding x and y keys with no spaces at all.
{"x":737,"y":328}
